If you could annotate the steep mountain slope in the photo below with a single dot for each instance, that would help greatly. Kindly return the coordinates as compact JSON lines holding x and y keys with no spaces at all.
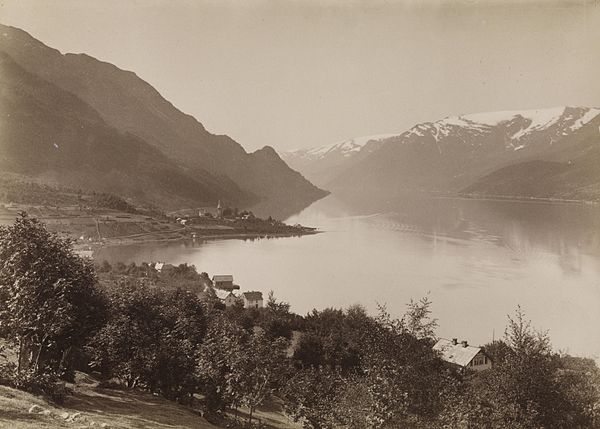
{"x":131,"y":105}
{"x":51,"y":135}
{"x":321,"y":164}
{"x":452,"y":154}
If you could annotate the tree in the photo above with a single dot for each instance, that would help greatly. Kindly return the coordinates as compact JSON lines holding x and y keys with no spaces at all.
{"x":528,"y":387}
{"x":48,"y":300}
{"x":258,"y":368}
{"x":276,"y":319}
{"x":403,"y":376}
{"x":215,"y":362}
{"x":311,"y":396}
{"x":151,"y":339}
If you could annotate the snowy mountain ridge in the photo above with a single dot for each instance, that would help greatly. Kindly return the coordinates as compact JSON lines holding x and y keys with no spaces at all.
{"x":344,"y":147}
{"x":518,"y":123}
{"x":453,"y":152}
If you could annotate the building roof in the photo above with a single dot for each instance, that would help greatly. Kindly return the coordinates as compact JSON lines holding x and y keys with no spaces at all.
{"x":222,"y":294}
{"x":456,"y":353}
{"x":222,"y":278}
{"x":159,"y":265}
{"x":253,"y":296}
{"x":85,"y":253}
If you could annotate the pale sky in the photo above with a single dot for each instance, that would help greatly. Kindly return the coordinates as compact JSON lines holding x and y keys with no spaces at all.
{"x":305,"y":73}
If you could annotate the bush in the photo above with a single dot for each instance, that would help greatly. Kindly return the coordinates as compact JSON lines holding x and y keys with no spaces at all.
{"x":40,"y":384}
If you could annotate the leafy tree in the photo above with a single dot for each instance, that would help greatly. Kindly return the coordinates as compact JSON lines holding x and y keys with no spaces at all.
{"x":126,"y":347}
{"x":528,"y":386}
{"x":49,"y":304}
{"x":258,"y":368}
{"x":276,"y":319}
{"x":311,"y":396}
{"x":402,"y":374}
{"x":151,"y":339}
{"x":215,"y":363}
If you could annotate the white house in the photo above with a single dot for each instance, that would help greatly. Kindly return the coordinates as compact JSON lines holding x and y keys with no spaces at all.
{"x":462,"y":354}
{"x":228,"y":297}
{"x":253,"y":299}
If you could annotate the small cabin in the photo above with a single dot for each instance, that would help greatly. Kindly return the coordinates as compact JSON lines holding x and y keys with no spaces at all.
{"x":252,"y":299}
{"x":224,"y":282}
{"x":161,"y":267}
{"x":227,"y":297}
{"x":462,"y":354}
{"x":231,"y":300}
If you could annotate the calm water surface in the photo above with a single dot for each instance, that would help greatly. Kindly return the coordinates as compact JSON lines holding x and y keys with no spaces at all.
{"x":477,"y":260}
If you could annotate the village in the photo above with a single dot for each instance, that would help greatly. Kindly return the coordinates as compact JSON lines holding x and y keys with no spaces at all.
{"x":96,"y":221}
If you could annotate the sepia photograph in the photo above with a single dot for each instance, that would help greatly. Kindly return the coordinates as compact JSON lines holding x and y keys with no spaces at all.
{"x":304,"y":214}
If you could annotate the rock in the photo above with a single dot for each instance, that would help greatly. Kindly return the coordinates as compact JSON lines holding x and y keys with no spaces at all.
{"x":73,"y":416}
{"x":36,"y":409}
{"x":46,"y":413}
{"x":104,"y":425}
{"x":64,"y":415}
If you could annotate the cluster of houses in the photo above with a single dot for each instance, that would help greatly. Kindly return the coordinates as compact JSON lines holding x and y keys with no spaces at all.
{"x":224,"y":289}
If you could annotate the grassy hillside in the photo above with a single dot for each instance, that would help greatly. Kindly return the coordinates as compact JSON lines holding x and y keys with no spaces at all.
{"x":93,"y":406}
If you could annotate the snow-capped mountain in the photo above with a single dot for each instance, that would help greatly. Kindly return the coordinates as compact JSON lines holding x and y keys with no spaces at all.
{"x":472,"y":152}
{"x":345,"y":148}
{"x":321,"y":164}
{"x":560,"y":121}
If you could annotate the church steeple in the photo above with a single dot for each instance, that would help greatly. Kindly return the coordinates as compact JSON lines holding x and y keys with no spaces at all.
{"x":219,"y":209}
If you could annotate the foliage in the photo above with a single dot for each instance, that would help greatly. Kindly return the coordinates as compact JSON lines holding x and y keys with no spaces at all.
{"x":529,"y":386}
{"x":311,"y":396}
{"x":258,"y":369}
{"x":237,"y":368}
{"x":150,"y":339}
{"x":348,"y":369}
{"x":48,"y":300}
{"x":111,"y":201}
{"x":403,"y":375}
{"x":222,"y":345}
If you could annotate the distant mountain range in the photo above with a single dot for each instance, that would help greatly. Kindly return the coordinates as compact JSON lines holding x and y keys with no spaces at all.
{"x":552,"y":153}
{"x":322,"y":164}
{"x":77,"y":121}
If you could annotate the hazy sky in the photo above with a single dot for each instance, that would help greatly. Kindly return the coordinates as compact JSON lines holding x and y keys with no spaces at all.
{"x":305,"y":73}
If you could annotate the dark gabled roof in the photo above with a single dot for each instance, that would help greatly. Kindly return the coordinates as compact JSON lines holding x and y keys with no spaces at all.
{"x":253,"y":296}
{"x":223,"y":278}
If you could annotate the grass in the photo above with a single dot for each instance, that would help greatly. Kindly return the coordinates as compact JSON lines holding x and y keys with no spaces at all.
{"x":115,"y":409}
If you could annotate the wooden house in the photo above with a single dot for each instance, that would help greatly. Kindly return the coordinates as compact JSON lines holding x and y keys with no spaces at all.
{"x":462,"y":354}
{"x":252,"y":299}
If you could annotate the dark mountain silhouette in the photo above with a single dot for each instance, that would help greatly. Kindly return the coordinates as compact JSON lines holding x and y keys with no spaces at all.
{"x":131,"y":106}
{"x":51,"y":135}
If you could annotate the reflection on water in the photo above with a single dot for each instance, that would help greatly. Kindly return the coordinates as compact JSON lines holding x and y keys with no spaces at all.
{"x":476,"y":259}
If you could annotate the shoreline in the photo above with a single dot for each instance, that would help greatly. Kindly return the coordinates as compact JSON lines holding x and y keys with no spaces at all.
{"x":127,"y":241}
{"x":516,"y":198}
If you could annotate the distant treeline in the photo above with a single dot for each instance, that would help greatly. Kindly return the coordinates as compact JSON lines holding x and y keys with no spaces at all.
{"x":134,"y":328}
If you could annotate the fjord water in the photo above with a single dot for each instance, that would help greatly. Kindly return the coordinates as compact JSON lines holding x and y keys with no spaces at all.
{"x":475,"y":259}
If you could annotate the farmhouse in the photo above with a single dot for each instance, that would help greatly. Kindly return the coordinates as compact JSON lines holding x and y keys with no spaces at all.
{"x":227,"y":297}
{"x":161,"y":267}
{"x":224,"y":282}
{"x":252,"y":299}
{"x":462,"y":354}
